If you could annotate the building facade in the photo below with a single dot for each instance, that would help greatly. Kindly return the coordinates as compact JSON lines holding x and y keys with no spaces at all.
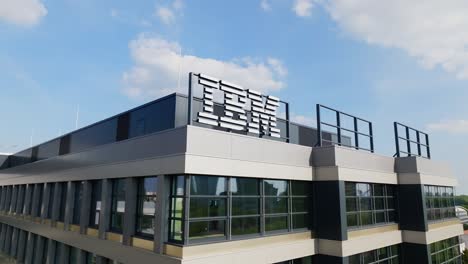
{"x":148,"y":186}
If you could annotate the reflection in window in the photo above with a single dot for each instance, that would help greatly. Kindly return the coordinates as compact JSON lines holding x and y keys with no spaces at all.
{"x":446,"y":251}
{"x":177,"y":215}
{"x":369,"y":204}
{"x":223,"y":208}
{"x":147,"y":190}
{"x":96,"y":192}
{"x":440,"y":202}
{"x":385,"y":255}
{"x":117,"y":205}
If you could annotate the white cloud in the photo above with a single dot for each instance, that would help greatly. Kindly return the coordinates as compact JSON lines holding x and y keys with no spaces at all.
{"x":433,"y":31}
{"x":157,"y":61}
{"x":304,"y":120}
{"x":450,"y":126}
{"x":265,"y":5}
{"x":22,"y":12}
{"x":165,"y":15}
{"x":303,"y":8}
{"x":168,"y":15}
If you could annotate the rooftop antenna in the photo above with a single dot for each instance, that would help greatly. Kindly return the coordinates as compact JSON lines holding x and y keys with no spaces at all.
{"x":77,"y":116}
{"x":180,"y":66}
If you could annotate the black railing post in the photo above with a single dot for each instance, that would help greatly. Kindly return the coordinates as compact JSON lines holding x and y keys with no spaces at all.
{"x":319,"y":126}
{"x":427,"y":147}
{"x":419,"y":143}
{"x":356,"y":134}
{"x":190,"y":99}
{"x":338,"y":127}
{"x":287,"y":123}
{"x":371,"y":134}
{"x":397,"y":139}
{"x":408,"y":142}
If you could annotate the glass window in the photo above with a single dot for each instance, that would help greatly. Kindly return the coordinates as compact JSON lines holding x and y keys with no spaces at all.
{"x":440,"y":202}
{"x":385,"y":255}
{"x":248,"y":206}
{"x":96,"y":193}
{"x":369,"y":204}
{"x":207,"y":185}
{"x":445,"y":251}
{"x":117,"y":205}
{"x":73,"y":256}
{"x":176,"y":217}
{"x":146,"y":207}
{"x":63,"y":201}
{"x":77,"y":202}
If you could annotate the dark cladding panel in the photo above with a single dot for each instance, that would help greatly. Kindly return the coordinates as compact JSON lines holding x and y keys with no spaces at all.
{"x":411,"y":207}
{"x":99,"y":134}
{"x":152,"y":118}
{"x":330,"y":212}
{"x":48,"y":150}
{"x":415,"y":253}
{"x":329,"y":259}
{"x":181,"y":111}
{"x":123,"y":125}
{"x":21,"y":158}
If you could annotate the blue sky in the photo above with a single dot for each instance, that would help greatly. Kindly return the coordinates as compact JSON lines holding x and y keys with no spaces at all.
{"x":384,"y":61}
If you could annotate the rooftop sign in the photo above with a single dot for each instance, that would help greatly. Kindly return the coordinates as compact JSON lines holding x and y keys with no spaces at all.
{"x":243,"y":109}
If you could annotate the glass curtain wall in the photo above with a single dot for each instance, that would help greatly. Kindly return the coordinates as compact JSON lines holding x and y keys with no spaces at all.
{"x":117,"y":205}
{"x":385,"y":255}
{"x":369,"y":204}
{"x":440,"y":202}
{"x":146,"y":206}
{"x":96,"y":194}
{"x":227,"y":208}
{"x":446,"y":251}
{"x":62,"y":202}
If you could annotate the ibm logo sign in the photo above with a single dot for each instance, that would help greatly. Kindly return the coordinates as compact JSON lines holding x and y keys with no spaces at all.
{"x":263,"y":111}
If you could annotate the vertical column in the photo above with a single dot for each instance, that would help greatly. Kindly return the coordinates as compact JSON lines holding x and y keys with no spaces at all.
{"x":14,"y":199}
{"x":45,"y":201}
{"x":39,"y":250}
{"x":14,"y":242}
{"x":7,"y":244}
{"x":2,"y":197}
{"x":22,"y":238}
{"x":104,"y":214}
{"x":160,"y":220}
{"x":51,"y":252}
{"x":2,"y":235}
{"x":415,"y":253}
{"x":35,"y":201}
{"x":56,"y":202}
{"x":27,"y":200}
{"x":131,"y":189}
{"x":411,"y":207}
{"x":82,"y":257}
{"x":64,"y":253}
{"x":69,"y":204}
{"x":330,"y":210}
{"x":85,"y":206}
{"x":329,"y":259}
{"x":30,"y":249}
{"x":20,"y":202}
{"x":8,"y":199}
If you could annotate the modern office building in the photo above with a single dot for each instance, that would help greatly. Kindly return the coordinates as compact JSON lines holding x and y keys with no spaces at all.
{"x":195,"y":180}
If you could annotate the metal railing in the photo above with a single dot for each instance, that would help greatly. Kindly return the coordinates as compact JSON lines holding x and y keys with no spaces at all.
{"x":408,"y":141}
{"x":339,"y":129}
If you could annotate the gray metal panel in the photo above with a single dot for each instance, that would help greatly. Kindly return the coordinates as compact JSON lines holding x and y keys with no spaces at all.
{"x":104,"y":216}
{"x":160,"y":144}
{"x":21,"y":245}
{"x":162,"y":207}
{"x":85,"y":206}
{"x":131,"y":189}
{"x":69,"y":206}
